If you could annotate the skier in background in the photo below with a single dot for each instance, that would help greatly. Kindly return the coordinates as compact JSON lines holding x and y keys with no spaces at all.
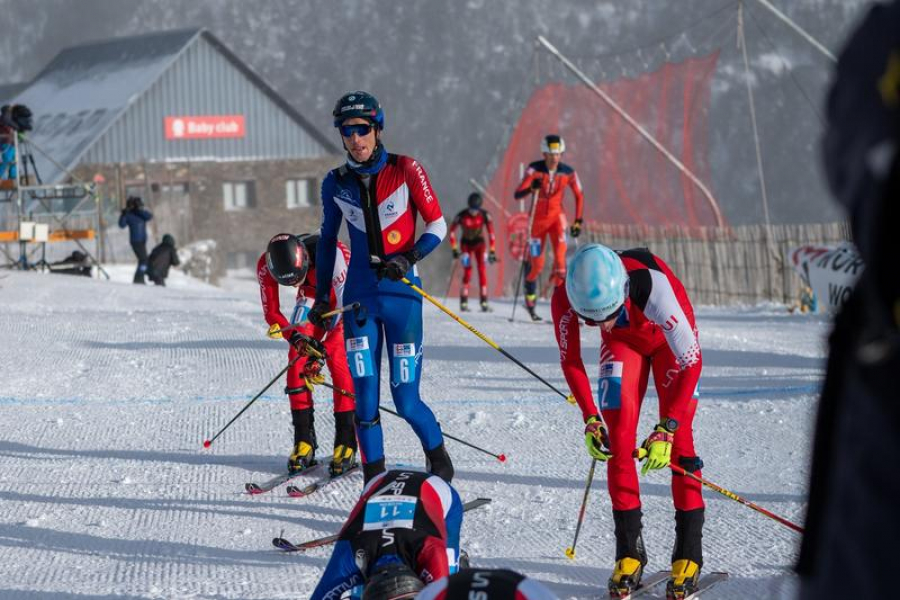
{"x":473,"y":221}
{"x":852,"y":520}
{"x":288,"y":260}
{"x":402,"y":533}
{"x":380,"y":195}
{"x":134,"y":216}
{"x":646,"y":323}
{"x":486,"y":584}
{"x":549,"y":178}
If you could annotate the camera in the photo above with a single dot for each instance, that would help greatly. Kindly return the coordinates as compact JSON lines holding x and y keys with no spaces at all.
{"x":17,"y":116}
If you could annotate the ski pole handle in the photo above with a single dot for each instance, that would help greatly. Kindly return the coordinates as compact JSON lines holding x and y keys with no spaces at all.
{"x":353,"y":306}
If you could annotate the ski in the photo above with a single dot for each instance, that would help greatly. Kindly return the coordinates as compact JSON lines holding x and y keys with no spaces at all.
{"x":286,"y":546}
{"x":299,"y":492}
{"x":706,"y":582}
{"x":647,"y":585}
{"x":269,"y":485}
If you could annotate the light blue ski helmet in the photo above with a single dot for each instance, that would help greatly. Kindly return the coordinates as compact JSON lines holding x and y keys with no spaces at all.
{"x":596,"y":282}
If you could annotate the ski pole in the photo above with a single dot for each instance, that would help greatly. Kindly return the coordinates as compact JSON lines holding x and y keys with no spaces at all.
{"x":355,"y":306}
{"x":641,"y":452}
{"x":570,"y":551}
{"x":534,"y":196}
{"x":570,"y":398}
{"x":452,"y":275}
{"x":208,"y":443}
{"x":500,"y":457}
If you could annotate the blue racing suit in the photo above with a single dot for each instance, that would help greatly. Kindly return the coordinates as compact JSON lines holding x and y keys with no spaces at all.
{"x":380,"y":205}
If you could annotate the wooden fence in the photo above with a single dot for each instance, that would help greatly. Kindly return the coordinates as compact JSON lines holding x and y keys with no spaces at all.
{"x":718,"y":266}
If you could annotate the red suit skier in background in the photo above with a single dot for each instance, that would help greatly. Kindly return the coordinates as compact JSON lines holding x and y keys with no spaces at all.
{"x":290,"y":260}
{"x":473,"y":221}
{"x":646,"y":323}
{"x":549,"y":178}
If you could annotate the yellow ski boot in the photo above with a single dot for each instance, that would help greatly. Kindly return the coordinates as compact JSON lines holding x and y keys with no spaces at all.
{"x":626,"y":577}
{"x":684,"y":579}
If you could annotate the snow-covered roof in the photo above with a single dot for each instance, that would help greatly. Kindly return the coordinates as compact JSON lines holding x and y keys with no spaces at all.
{"x":85,"y":89}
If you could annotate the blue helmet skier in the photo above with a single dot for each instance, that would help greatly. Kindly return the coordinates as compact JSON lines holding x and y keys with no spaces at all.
{"x":380,"y":196}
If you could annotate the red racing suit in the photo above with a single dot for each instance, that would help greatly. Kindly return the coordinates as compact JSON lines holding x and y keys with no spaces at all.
{"x":549,"y":216}
{"x":473,"y":224}
{"x":656,"y":331}
{"x":333,"y":340}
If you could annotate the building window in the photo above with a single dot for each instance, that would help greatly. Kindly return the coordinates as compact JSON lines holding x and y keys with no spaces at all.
{"x":238,"y":195}
{"x":299,"y":193}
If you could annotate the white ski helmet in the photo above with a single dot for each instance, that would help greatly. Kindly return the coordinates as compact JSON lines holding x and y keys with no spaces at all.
{"x":596,"y":282}
{"x":553,"y":144}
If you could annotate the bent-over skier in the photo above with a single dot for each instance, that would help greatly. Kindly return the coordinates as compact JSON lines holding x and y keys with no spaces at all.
{"x":289,"y":261}
{"x":646,"y":323}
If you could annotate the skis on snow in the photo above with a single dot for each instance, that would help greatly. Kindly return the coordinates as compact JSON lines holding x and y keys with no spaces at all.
{"x":269,"y":485}
{"x":285,"y":545}
{"x":649,"y":584}
{"x":299,"y":492}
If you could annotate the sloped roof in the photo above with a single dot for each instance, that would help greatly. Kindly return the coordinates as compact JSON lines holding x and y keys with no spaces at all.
{"x":86,"y":88}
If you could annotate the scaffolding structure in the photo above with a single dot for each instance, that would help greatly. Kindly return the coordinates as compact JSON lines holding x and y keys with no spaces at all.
{"x":67,"y":212}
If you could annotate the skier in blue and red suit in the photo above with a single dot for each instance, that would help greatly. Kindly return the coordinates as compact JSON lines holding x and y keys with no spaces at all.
{"x":380,"y":195}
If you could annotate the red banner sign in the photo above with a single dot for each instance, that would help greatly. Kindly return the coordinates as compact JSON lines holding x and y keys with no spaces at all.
{"x":204,"y":127}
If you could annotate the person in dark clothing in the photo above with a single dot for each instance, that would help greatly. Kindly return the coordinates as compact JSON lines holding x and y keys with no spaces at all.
{"x":134,"y":217}
{"x":852,"y":519}
{"x":163,"y":256}
{"x":76,"y":263}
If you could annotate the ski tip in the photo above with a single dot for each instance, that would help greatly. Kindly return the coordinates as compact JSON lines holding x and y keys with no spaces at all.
{"x":570,"y":553}
{"x":502,"y":458}
{"x":295,"y":492}
{"x":252,"y":489}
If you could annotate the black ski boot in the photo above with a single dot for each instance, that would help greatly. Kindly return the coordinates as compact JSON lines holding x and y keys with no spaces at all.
{"x":463,"y":304}
{"x":631,"y":557}
{"x":687,"y":556}
{"x":303,"y":454}
{"x":530,"y":303}
{"x":437,"y":462}
{"x":484,"y":306}
{"x":344,"y":456}
{"x":372,"y":470}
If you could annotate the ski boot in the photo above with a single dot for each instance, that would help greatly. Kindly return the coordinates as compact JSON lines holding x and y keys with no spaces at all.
{"x":484,"y":306}
{"x":437,"y":462}
{"x":631,"y":557}
{"x":372,"y":470}
{"x":302,"y":458}
{"x":463,"y":304}
{"x":626,"y":577}
{"x":684,"y":579}
{"x":344,"y":456}
{"x":530,"y":303}
{"x":687,"y":556}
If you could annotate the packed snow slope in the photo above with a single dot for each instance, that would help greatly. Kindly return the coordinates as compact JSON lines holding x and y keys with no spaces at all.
{"x":109,"y":389}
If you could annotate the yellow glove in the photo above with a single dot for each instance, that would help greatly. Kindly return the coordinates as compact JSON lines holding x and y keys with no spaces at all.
{"x":275,"y":332}
{"x":313,"y":380}
{"x":597,"y":439}
{"x":656,"y":451}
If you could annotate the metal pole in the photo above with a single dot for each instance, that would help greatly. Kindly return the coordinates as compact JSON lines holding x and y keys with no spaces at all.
{"x":799,"y":30}
{"x":714,"y":205}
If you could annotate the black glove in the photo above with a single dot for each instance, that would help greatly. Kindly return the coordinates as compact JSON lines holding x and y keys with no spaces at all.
{"x":575,"y":229}
{"x":319,"y":308}
{"x":492,"y":257}
{"x":535,"y":184}
{"x":307,"y":345}
{"x":456,"y":253}
{"x":397,"y":268}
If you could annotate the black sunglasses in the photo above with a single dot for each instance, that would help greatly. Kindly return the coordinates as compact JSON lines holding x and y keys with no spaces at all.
{"x":360,"y":129}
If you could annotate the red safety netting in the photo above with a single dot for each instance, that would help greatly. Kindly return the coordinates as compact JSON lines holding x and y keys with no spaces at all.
{"x":625,"y":179}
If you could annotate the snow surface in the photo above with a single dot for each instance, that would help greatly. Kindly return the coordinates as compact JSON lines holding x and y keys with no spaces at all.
{"x":109,"y":389}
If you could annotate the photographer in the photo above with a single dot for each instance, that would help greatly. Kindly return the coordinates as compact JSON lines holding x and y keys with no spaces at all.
{"x":14,"y":118}
{"x":135,"y":217}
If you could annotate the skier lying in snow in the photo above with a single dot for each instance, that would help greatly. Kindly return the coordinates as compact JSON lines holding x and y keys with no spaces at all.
{"x":381,"y":196}
{"x":402,"y":533}
{"x":646,"y":322}
{"x":287,"y":261}
{"x":486,"y":584}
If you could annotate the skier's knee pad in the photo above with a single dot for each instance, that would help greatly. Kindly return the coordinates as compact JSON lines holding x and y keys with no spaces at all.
{"x":691,"y":464}
{"x":368,"y":424}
